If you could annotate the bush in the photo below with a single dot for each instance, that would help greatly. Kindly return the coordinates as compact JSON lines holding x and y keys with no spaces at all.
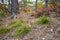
{"x":3,"y":11}
{"x":22,"y":30}
{"x":3,"y":30}
{"x":42,"y":20}
{"x":20,"y":27}
{"x":16,"y":24}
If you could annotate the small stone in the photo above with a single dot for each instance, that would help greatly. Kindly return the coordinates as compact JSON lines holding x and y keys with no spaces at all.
{"x":43,"y":38}
{"x":51,"y":30}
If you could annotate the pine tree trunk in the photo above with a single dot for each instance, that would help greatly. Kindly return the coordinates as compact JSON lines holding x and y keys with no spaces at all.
{"x":9,"y":6}
{"x":46,"y":3}
{"x":2,"y":1}
{"x":24,"y":4}
{"x":36,"y":5}
{"x":14,"y":8}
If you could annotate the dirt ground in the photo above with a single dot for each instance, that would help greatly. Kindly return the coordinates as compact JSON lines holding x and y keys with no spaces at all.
{"x":43,"y":32}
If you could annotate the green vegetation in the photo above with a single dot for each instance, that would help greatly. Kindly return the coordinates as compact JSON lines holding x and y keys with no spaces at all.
{"x":42,"y":20}
{"x":20,"y":26}
{"x":29,"y":10}
{"x":16,"y":24}
{"x":3,"y":11}
{"x":3,"y":30}
{"x":22,"y":30}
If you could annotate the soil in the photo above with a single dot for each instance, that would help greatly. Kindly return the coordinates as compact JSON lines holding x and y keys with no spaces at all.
{"x":43,"y":32}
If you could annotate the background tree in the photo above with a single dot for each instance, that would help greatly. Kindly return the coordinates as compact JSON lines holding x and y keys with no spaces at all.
{"x":36,"y":4}
{"x":46,"y":3}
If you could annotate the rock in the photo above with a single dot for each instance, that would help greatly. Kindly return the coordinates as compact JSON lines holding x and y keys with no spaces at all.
{"x":51,"y":30}
{"x":43,"y":38}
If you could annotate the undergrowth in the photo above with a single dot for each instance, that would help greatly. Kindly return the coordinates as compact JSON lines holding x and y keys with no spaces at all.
{"x":15,"y":24}
{"x":20,"y":26}
{"x":3,"y":30}
{"x":22,"y":30}
{"x":42,"y":20}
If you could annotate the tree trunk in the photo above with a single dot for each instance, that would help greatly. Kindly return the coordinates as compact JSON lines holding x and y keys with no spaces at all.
{"x":2,"y":1}
{"x":46,"y":3}
{"x":36,"y":5}
{"x":9,"y":6}
{"x":24,"y":4}
{"x":14,"y":8}
{"x":46,"y":6}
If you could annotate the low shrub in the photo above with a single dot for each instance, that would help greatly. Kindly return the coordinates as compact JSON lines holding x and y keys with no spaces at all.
{"x":42,"y":20}
{"x":16,"y":24}
{"x":22,"y":30}
{"x":3,"y":30}
{"x":3,"y":11}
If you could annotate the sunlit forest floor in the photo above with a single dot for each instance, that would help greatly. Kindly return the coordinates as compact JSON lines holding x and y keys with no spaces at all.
{"x":50,"y":31}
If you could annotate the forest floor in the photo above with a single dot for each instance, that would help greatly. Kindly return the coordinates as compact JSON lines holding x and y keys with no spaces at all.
{"x":43,"y":32}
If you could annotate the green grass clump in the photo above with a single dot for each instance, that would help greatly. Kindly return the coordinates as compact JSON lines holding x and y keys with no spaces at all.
{"x":42,"y":20}
{"x":3,"y":30}
{"x":16,"y":24}
{"x":21,"y":28}
{"x":12,"y":22}
{"x":22,"y":31}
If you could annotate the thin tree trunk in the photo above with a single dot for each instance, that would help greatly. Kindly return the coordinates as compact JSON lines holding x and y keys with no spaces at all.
{"x":36,"y":5}
{"x":9,"y":6}
{"x":46,"y":3}
{"x":24,"y":4}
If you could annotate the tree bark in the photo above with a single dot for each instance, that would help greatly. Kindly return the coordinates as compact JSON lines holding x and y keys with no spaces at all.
{"x":2,"y":1}
{"x":13,"y":8}
{"x":46,"y":3}
{"x":24,"y":4}
{"x":9,"y":6}
{"x":36,"y":5}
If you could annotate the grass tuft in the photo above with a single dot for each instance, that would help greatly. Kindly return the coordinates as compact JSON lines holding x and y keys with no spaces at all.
{"x":3,"y":30}
{"x":42,"y":20}
{"x":16,"y":24}
{"x":22,"y":31}
{"x":21,"y":28}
